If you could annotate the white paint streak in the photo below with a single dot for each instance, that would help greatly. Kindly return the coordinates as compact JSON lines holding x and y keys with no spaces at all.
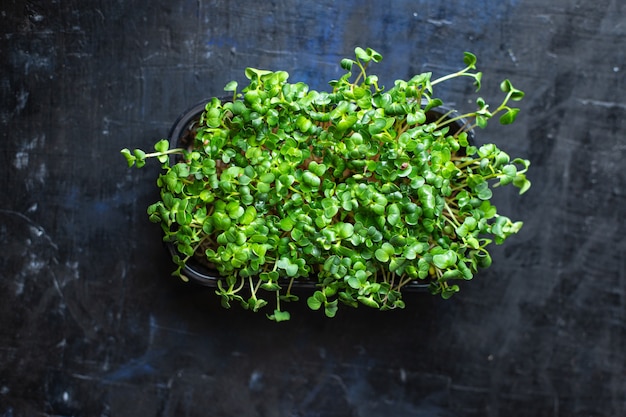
{"x":85,"y":377}
{"x":22,"y":156}
{"x":154,"y":326}
{"x":107,"y":123}
{"x":439,"y":22}
{"x":22,"y":99}
{"x":21,"y":160}
{"x":36,"y":17}
{"x":275,"y":51}
{"x":41,"y":173}
{"x":35,"y":265}
{"x":19,"y":287}
{"x":601,"y":103}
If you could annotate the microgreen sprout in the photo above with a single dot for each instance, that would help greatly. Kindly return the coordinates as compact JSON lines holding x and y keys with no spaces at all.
{"x":358,"y":190}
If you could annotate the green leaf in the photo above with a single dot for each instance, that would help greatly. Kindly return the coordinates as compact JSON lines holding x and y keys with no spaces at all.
{"x":346,"y":122}
{"x":316,"y":300}
{"x":461,"y":231}
{"x":288,"y":266}
{"x":412,"y":251}
{"x":481,"y":121}
{"x":316,"y":168}
{"x":470,"y":223}
{"x":162,"y":145}
{"x":377,"y":126}
{"x":344,"y":230}
{"x":331,"y":207}
{"x":354,"y":282}
{"x":330,"y":291}
{"x":451,"y":274}
{"x":483,"y":191}
{"x":303,"y":123}
{"x":509,"y":117}
{"x":286,"y":224}
{"x":477,"y":78}
{"x":311,"y":179}
{"x":347,"y":64}
{"x":472,"y":242}
{"x":427,"y":198}
{"x":235,"y":211}
{"x":170,"y":179}
{"x":384,"y":253}
{"x":221,"y":221}
{"x":362,"y":54}
{"x":469,"y":59}
{"x":244,"y":179}
{"x":488,"y":209}
{"x":258,"y":249}
{"x":267,"y":178}
{"x":368,"y":301}
{"x":445,"y":260}
{"x":393,"y":215}
{"x":446,"y":293}
{"x":381,"y":255}
{"x":522,"y":183}
{"x":231,"y":86}
{"x":289,"y":297}
{"x":213,"y":117}
{"x":330,"y":308}
{"x":506,"y":86}
{"x":130,"y":159}
{"x":517,"y":95}
{"x":256,"y":304}
{"x":483,"y":259}
{"x":465,"y":271}
{"x":270,"y":286}
{"x":249,"y":215}
{"x":181,"y":170}
{"x":279,"y":316}
{"x":419,"y":117}
{"x":252,"y":73}
{"x":376,"y":57}
{"x":139,"y":154}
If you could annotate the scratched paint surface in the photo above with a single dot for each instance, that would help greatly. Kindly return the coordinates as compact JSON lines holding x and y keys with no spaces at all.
{"x":92,"y":323}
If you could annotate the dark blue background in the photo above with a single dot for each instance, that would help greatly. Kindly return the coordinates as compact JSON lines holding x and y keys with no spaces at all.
{"x":93,"y":325}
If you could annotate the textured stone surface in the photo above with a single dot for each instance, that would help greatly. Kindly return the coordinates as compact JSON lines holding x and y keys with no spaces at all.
{"x":92,"y":323}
